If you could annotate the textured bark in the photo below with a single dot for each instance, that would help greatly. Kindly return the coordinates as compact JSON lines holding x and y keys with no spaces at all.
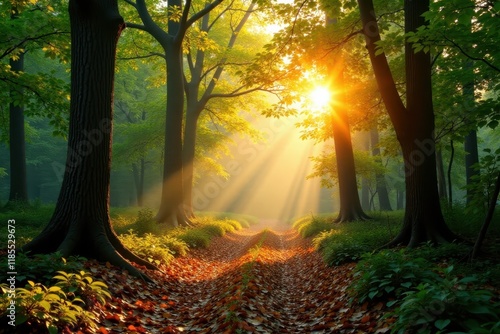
{"x":80,"y":224}
{"x":350,"y":206}
{"x":383,"y":194}
{"x":441,"y":178}
{"x":414,"y":126}
{"x":17,"y":148}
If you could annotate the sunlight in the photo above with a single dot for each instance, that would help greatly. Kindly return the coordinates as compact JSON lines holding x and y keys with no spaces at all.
{"x":268,"y":180}
{"x":320,"y":97}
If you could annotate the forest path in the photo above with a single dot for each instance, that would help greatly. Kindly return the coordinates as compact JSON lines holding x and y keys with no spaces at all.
{"x":265,"y":279}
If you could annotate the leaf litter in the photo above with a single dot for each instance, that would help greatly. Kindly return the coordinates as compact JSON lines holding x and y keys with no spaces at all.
{"x":250,"y":281}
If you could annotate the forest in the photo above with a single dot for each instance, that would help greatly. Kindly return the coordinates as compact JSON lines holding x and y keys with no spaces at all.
{"x":249,"y":166}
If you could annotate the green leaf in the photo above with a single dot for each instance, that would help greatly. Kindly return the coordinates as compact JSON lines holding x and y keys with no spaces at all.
{"x":442,"y":323}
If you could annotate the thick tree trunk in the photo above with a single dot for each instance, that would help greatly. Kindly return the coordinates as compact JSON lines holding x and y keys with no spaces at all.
{"x":18,"y":185}
{"x":383,"y":194}
{"x":350,"y":206}
{"x":171,"y":209}
{"x":80,"y":224}
{"x":414,"y":127}
{"x":188,"y":154}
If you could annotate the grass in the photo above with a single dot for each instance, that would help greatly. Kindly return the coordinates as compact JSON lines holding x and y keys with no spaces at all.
{"x":346,"y":242}
{"x":137,"y":229}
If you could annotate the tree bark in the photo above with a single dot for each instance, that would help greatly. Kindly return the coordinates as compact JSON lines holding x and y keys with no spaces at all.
{"x":350,"y":206}
{"x":17,"y":144}
{"x":18,"y":185}
{"x":81,"y":224}
{"x":441,"y":177}
{"x":383,"y":194}
{"x":414,"y":126}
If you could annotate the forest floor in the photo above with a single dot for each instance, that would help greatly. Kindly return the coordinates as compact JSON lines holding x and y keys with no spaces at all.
{"x":257,"y":280}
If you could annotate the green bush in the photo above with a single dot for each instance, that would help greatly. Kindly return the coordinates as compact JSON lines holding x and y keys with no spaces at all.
{"x":41,"y":267}
{"x":313,"y":226}
{"x":145,"y":222}
{"x":68,"y":303}
{"x":194,"y":238}
{"x":447,"y":305}
{"x":388,"y":274}
{"x":337,"y":253}
{"x":149,"y":247}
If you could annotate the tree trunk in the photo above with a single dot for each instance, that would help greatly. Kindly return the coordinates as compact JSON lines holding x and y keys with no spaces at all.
{"x":471,"y":159}
{"x":81,"y":224}
{"x":171,"y":209}
{"x":18,"y":185}
{"x":17,"y":148}
{"x":138,"y":173}
{"x":383,"y":194}
{"x":188,"y":154}
{"x":441,"y":176}
{"x":350,"y":206}
{"x":365,"y":182}
{"x":414,"y":125}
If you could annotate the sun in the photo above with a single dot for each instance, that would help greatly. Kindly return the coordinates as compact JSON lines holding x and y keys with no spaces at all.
{"x":320,"y":97}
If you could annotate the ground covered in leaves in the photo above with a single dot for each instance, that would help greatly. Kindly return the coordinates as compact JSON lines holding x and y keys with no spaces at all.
{"x":252,"y":281}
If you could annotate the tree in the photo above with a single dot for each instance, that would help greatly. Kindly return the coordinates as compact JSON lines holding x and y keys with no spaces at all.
{"x":80,"y":223}
{"x":18,"y":184}
{"x":171,"y":209}
{"x":383,"y":196}
{"x":205,"y":65}
{"x":28,"y":93}
{"x":350,"y":205}
{"x":414,"y":126}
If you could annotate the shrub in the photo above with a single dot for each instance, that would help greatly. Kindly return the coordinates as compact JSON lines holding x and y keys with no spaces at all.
{"x":446,"y":305}
{"x":42,"y":267}
{"x":59,"y":306}
{"x":145,"y":222}
{"x":337,"y":253}
{"x":148,"y":246}
{"x":388,"y":274}
{"x":313,"y":226}
{"x":195,"y":238}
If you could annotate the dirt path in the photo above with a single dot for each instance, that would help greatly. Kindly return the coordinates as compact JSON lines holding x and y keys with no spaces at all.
{"x":251,"y":281}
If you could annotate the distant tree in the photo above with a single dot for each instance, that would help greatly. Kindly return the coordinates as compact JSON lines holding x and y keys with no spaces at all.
{"x":29,"y":93}
{"x":383,"y":195}
{"x":81,"y":223}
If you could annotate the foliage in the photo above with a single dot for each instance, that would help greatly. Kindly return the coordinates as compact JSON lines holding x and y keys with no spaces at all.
{"x":310,"y":227}
{"x":38,"y":29}
{"x":483,"y":183}
{"x":68,"y":303}
{"x":388,"y":274}
{"x":347,"y":242}
{"x":156,"y":249}
{"x":195,"y":238}
{"x":41,"y":267}
{"x":449,"y":305}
